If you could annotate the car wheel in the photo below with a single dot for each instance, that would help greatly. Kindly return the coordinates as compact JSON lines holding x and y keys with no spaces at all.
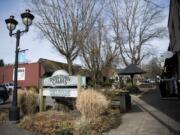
{"x":1,"y":100}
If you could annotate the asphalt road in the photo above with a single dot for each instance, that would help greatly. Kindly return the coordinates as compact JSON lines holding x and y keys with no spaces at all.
{"x":7,"y":104}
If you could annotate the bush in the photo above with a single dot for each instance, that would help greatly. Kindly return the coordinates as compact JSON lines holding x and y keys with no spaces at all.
{"x":133,"y":89}
{"x":27,"y":101}
{"x":34,"y":89}
{"x":111,"y":119}
{"x":3,"y":116}
{"x":83,"y":127}
{"x":49,"y":123}
{"x":111,"y":94}
{"x":91,"y":104}
{"x":106,"y":122}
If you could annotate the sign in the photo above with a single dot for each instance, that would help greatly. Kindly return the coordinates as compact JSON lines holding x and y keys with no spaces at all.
{"x":64,"y":92}
{"x":21,"y":74}
{"x":62,"y":85}
{"x":62,"y":80}
{"x":22,"y":57}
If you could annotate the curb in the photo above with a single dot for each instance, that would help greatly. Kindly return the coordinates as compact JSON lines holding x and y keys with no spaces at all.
{"x":169,"y":123}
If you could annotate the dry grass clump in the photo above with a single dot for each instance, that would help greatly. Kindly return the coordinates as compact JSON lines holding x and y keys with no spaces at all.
{"x":3,"y":116}
{"x":49,"y":123}
{"x":83,"y":127}
{"x":27,"y":101}
{"x":91,"y":104}
{"x":34,"y":89}
{"x":107,"y":121}
{"x":97,"y":115}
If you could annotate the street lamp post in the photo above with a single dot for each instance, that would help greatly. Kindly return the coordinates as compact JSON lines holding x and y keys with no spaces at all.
{"x":11,"y":23}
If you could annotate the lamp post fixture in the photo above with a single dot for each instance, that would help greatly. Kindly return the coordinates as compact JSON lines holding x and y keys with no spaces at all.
{"x":11,"y":23}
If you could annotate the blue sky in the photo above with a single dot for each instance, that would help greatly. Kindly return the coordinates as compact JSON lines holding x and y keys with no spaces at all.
{"x":41,"y":48}
{"x":37,"y":48}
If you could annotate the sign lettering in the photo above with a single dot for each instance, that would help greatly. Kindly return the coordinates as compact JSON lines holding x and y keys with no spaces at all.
{"x":59,"y":79}
{"x":55,"y":92}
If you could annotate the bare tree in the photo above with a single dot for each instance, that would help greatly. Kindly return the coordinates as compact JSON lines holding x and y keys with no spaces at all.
{"x":135,"y":23}
{"x":66,"y":23}
{"x":153,"y":68}
{"x":99,"y":53}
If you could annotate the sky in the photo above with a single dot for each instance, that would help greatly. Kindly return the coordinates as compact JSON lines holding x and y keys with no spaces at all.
{"x":37,"y":48}
{"x":41,"y":48}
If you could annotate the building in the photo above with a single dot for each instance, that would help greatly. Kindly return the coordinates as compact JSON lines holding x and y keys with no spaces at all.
{"x":30,"y":74}
{"x":172,"y":65}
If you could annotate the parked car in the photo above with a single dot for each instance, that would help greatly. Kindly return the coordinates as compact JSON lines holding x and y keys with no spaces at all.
{"x":9,"y":87}
{"x":3,"y":94}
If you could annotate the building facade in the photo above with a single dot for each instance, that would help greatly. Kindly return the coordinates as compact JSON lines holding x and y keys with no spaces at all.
{"x":30,"y":74}
{"x":172,"y":65}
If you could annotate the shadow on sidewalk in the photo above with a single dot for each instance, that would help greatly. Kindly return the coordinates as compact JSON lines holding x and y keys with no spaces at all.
{"x":135,"y":109}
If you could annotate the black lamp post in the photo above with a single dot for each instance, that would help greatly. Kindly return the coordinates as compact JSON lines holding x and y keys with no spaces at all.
{"x":27,"y":18}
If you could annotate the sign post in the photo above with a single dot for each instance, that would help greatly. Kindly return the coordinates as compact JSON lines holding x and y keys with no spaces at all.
{"x":41,"y":100}
{"x":41,"y":97}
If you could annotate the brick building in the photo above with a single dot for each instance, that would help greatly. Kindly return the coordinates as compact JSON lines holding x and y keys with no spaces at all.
{"x":30,"y":74}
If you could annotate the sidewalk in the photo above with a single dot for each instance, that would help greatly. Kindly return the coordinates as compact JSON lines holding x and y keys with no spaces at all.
{"x":11,"y":129}
{"x":150,"y":116}
{"x":7,"y":128}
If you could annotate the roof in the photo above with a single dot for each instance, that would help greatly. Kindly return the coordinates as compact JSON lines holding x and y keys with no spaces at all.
{"x":52,"y":66}
{"x":131,"y":70}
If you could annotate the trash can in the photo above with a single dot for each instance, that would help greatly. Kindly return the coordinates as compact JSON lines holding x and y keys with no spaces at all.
{"x":125,"y":102}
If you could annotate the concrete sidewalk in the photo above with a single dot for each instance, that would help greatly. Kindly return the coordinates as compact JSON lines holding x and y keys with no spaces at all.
{"x":11,"y":129}
{"x":150,"y":116}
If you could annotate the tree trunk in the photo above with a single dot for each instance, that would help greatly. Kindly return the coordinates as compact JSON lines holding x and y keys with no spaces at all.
{"x":94,"y":79}
{"x":132,"y":76}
